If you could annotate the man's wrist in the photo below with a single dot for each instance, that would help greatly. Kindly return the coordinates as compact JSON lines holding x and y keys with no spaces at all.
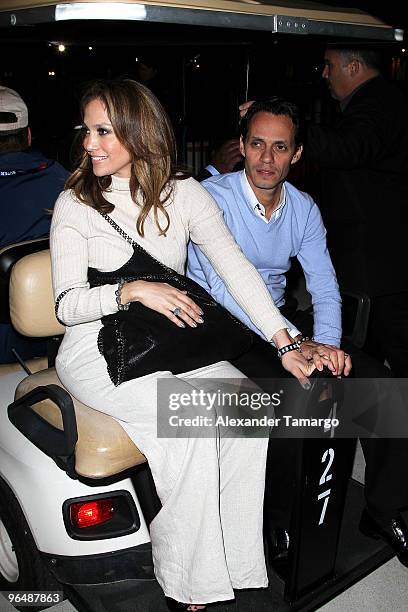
{"x":300,"y":338}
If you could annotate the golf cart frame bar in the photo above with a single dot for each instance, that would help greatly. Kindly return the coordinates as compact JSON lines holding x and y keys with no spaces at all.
{"x":283,"y":18}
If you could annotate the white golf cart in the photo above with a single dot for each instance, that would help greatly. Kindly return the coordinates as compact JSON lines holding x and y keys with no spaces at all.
{"x":76,"y":495}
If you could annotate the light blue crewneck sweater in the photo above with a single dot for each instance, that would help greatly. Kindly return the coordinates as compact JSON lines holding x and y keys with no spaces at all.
{"x":297,"y":231}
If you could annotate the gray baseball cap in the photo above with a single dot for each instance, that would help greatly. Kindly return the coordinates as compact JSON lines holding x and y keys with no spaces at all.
{"x":13,"y":111}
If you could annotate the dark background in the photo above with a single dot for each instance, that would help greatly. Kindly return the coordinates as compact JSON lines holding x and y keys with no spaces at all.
{"x":392,"y":12}
{"x":200,"y":74}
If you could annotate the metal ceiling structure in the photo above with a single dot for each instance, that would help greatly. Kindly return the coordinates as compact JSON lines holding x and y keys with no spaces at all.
{"x":282,"y":17}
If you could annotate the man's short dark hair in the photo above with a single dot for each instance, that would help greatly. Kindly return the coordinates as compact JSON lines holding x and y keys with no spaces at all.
{"x":275,"y":106}
{"x":365,"y":54}
{"x":13,"y":142}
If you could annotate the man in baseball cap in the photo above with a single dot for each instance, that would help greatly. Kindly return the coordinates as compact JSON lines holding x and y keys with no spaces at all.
{"x":13,"y":111}
{"x":29,"y":185}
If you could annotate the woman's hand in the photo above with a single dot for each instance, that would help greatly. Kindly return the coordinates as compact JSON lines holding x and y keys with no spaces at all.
{"x":327,"y":355}
{"x":295,"y":363}
{"x":163,"y":298}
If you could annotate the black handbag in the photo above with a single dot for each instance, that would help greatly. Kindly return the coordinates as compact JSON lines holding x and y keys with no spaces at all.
{"x":141,"y":341}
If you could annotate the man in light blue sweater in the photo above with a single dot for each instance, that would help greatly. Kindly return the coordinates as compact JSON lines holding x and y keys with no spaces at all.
{"x":272,"y":221}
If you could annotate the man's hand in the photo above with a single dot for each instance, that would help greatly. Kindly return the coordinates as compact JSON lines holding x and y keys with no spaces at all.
{"x":244,"y":107}
{"x":225,"y":158}
{"x":327,"y":355}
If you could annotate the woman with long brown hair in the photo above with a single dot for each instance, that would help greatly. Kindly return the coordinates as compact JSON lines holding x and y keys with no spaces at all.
{"x":118,"y":245}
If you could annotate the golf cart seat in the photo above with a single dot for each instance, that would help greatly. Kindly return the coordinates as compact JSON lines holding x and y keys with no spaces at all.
{"x":102,"y":448}
{"x":9,"y":254}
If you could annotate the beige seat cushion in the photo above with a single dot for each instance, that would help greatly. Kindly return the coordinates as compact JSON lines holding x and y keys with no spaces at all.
{"x":103,"y":447}
{"x":31,"y":297}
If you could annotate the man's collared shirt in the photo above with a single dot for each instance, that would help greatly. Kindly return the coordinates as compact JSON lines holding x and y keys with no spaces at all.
{"x":259,"y":208}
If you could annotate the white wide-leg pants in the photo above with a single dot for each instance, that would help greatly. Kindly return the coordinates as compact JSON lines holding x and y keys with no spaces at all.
{"x":207,"y":538}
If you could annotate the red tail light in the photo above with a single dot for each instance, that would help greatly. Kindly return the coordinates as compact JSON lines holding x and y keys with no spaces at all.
{"x":88,"y":514}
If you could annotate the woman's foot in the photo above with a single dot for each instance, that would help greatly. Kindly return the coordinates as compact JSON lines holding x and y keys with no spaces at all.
{"x":177,"y":605}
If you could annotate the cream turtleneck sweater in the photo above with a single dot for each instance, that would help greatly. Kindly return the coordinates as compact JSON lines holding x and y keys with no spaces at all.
{"x":81,"y":238}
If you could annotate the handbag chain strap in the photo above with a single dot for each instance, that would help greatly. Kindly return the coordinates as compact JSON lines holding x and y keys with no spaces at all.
{"x":136,"y":245}
{"x":119,"y":229}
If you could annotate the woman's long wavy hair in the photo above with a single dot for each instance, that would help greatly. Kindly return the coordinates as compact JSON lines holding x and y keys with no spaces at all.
{"x":142,"y":126}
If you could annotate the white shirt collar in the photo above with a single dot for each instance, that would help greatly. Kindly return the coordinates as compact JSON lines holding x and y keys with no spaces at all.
{"x":256,"y":206}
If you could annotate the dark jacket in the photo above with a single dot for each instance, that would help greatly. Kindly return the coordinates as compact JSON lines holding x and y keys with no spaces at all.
{"x":364,"y":200}
{"x":29,"y":186}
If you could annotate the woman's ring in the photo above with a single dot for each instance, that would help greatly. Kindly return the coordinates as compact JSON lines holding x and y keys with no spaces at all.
{"x":177,"y":311}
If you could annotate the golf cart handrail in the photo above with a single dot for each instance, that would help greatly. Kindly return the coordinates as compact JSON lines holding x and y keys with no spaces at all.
{"x":56,"y":443}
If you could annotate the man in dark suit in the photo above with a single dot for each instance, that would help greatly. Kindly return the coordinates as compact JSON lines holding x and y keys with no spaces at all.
{"x":364,"y":200}
{"x":364,"y":203}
